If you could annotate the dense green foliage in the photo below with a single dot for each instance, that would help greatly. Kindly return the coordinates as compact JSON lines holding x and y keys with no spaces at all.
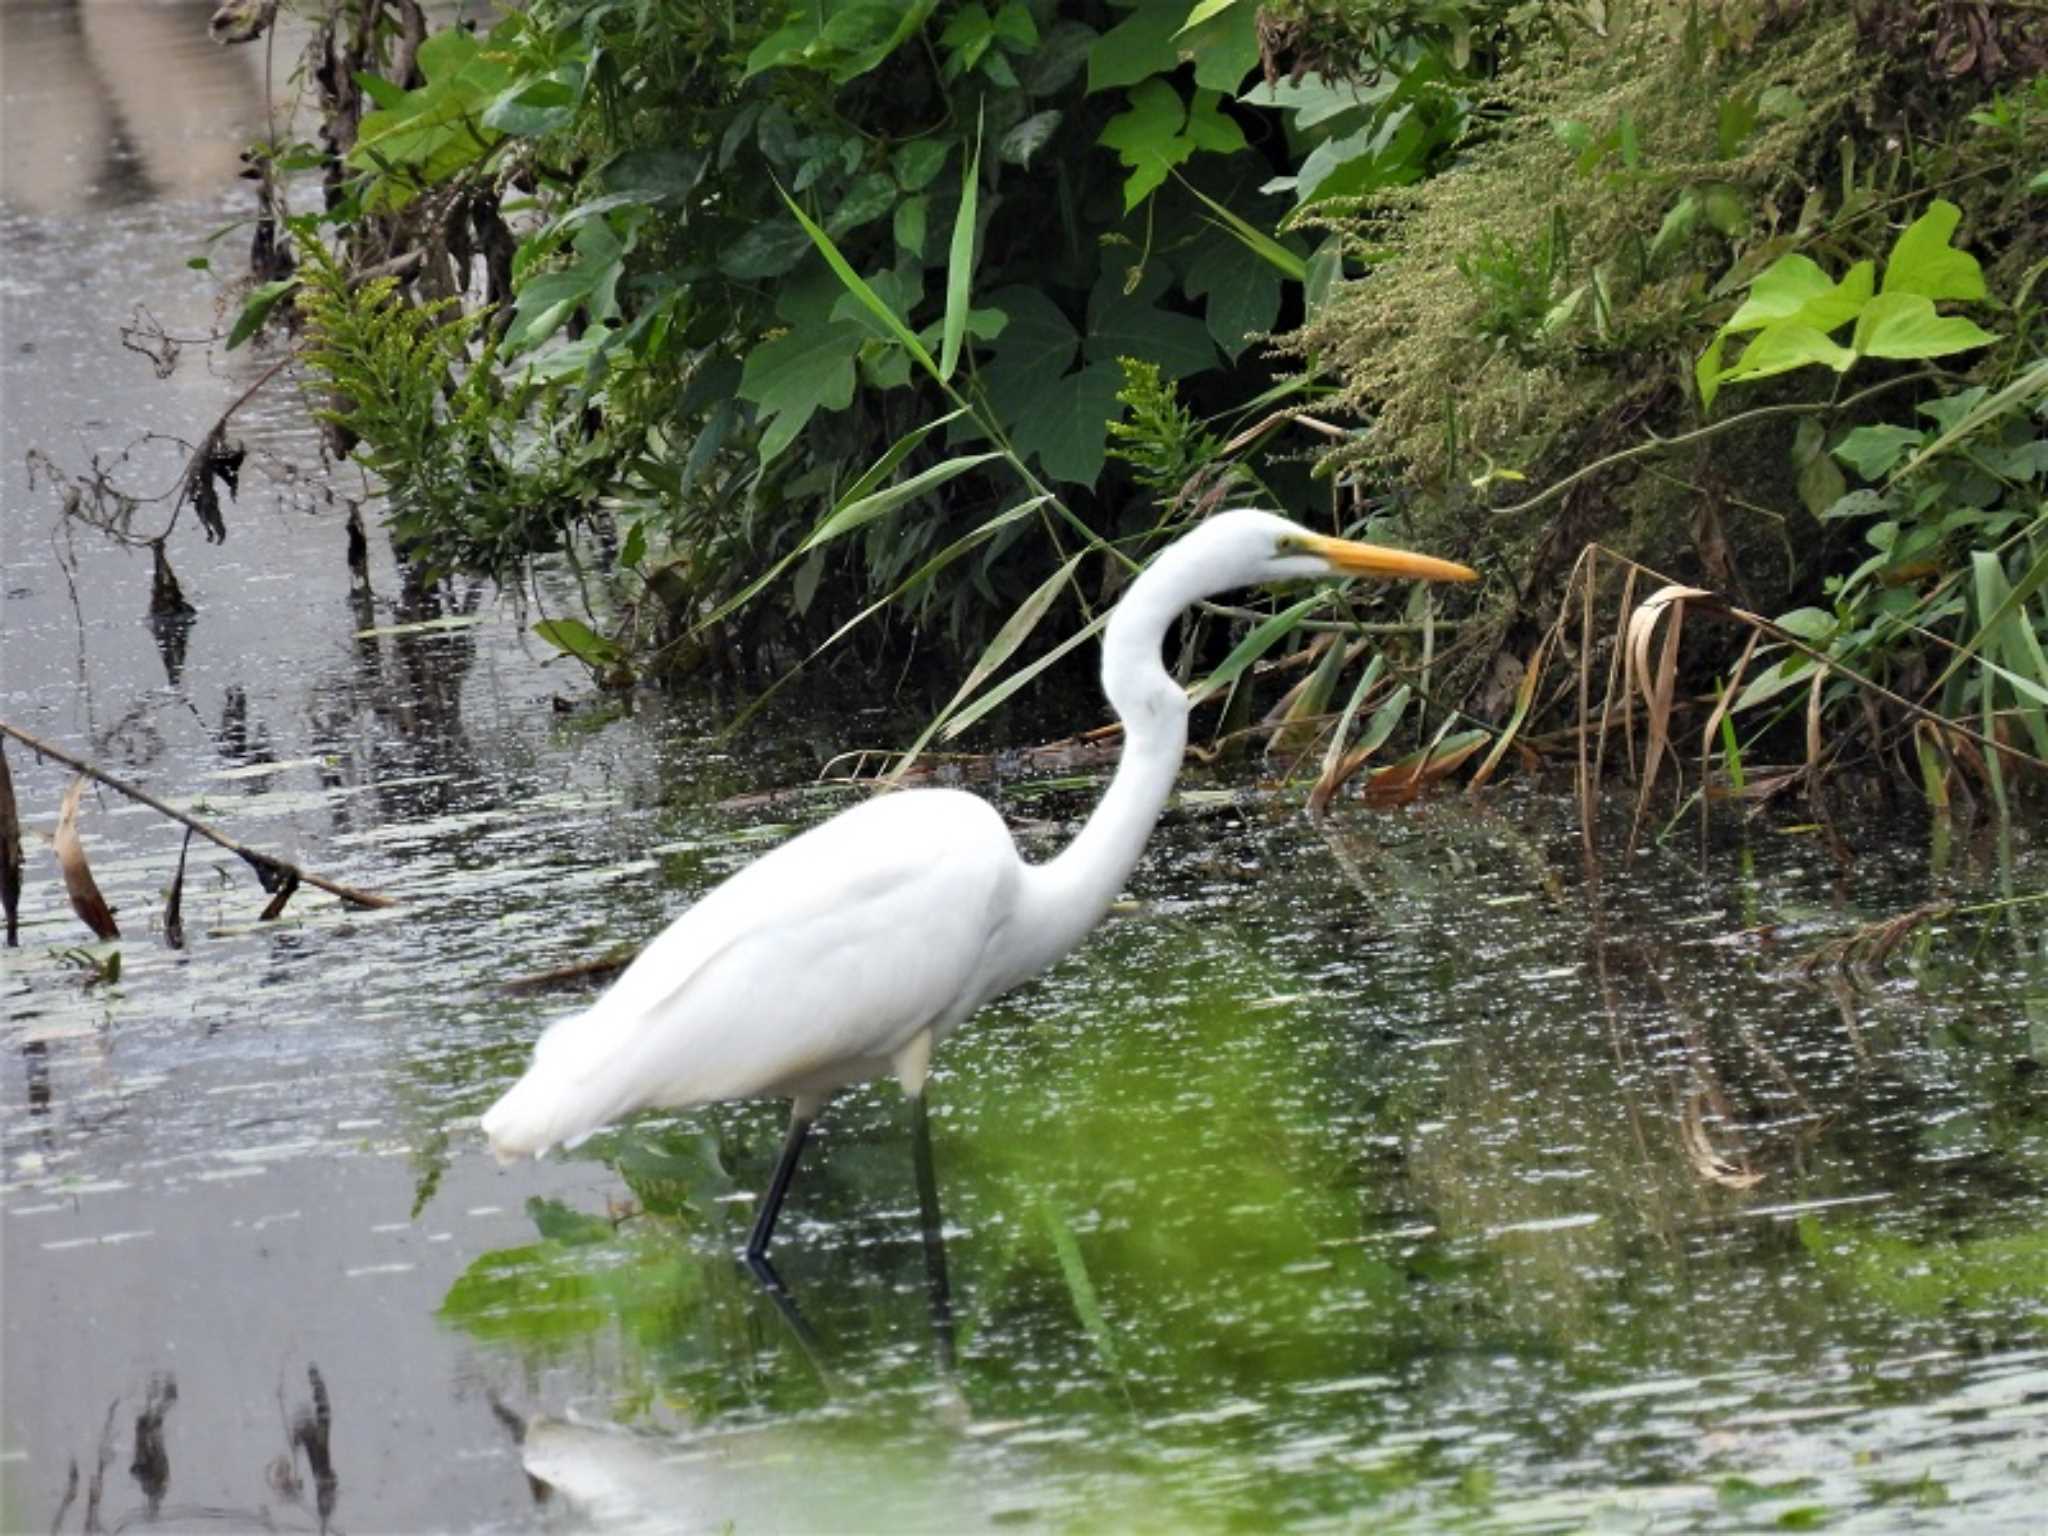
{"x":1123,"y":169}
{"x":935,"y":314}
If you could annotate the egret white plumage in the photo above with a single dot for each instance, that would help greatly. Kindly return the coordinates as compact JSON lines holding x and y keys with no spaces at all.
{"x":851,"y":951}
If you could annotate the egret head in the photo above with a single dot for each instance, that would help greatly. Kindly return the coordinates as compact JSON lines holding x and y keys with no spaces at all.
{"x":1262,"y":548}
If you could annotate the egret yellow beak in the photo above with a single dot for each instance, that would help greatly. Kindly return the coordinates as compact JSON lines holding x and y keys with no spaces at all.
{"x":1355,"y":559}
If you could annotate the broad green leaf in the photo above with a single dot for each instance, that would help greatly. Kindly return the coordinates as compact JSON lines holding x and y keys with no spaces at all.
{"x":1783,"y":346}
{"x":577,"y":639}
{"x":1134,"y":324}
{"x":1204,"y":11}
{"x":2023,"y":391}
{"x":256,"y":309}
{"x":544,"y":303}
{"x":1153,"y":39}
{"x":917,"y":162}
{"x":1209,"y":128}
{"x":1923,"y":262}
{"x":1774,"y":680}
{"x":1014,"y":27}
{"x":1872,"y":451}
{"x":960,"y":266}
{"x":1241,"y":291}
{"x":795,"y":374}
{"x":634,"y":549}
{"x":1706,"y":373}
{"x":1147,"y":138}
{"x":1068,"y":426}
{"x":1795,"y":288}
{"x":1813,"y":625}
{"x":1905,"y":325}
{"x":865,"y":201}
{"x":769,"y":248}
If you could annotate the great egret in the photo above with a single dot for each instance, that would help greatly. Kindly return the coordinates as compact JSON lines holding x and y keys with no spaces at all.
{"x":851,"y":951}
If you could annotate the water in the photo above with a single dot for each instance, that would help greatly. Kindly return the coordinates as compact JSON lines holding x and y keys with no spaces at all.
{"x":1385,"y":1173}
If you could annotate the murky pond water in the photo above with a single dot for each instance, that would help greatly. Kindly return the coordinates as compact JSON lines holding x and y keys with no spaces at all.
{"x":1384,"y":1172}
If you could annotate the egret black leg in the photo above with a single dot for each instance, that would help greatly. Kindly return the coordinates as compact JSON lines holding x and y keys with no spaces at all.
{"x":771,"y":1203}
{"x":934,"y":1234}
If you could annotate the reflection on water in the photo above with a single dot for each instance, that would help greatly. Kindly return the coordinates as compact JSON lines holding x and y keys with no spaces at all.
{"x":111,"y":102}
{"x":1392,"y":1171}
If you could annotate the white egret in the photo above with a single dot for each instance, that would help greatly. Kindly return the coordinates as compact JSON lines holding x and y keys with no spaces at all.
{"x":852,"y":950}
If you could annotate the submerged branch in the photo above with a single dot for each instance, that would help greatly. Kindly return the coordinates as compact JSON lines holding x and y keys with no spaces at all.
{"x":276,"y":874}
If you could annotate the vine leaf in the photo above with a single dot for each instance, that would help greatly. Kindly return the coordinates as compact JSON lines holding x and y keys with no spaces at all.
{"x":790,"y":377}
{"x":1923,"y":262}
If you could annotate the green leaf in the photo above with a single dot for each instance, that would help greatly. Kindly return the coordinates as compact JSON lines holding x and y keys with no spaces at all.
{"x":1872,"y":451}
{"x":909,"y":224}
{"x":634,"y":549}
{"x":1132,"y":324}
{"x":1795,"y":288}
{"x":795,"y":374}
{"x":256,"y":309}
{"x":1904,"y":325}
{"x":769,"y":248}
{"x":865,"y":201}
{"x":1068,"y":428}
{"x":1242,"y":290}
{"x":575,"y":638}
{"x":1923,"y":262}
{"x":1152,"y":40}
{"x":1147,"y":138}
{"x":1210,"y":127}
{"x":1786,"y":345}
{"x":1820,"y":484}
{"x":1014,"y":27}
{"x":917,"y":162}
{"x":960,"y":266}
{"x":1204,"y":11}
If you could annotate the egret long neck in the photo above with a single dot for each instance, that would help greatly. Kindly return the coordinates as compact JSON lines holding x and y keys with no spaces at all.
{"x":1067,"y":896}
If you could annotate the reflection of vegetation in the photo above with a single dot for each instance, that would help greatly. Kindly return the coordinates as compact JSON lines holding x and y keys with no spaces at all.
{"x":1315,"y":1176}
{"x":2000,"y":1280}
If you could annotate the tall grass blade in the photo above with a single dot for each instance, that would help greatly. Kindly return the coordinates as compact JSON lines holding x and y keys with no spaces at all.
{"x":1262,"y":639}
{"x":874,"y":475}
{"x":857,"y":286}
{"x":1254,"y":239}
{"x":851,"y":515}
{"x":1329,"y":781}
{"x":960,"y":266}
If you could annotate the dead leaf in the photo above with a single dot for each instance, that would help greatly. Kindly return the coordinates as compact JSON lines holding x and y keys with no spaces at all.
{"x":10,"y":854}
{"x":1399,"y":783}
{"x":1658,"y":689}
{"x":174,"y":903}
{"x":86,"y":900}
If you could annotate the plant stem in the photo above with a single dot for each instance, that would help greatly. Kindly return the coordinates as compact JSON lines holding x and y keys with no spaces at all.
{"x":261,"y":861}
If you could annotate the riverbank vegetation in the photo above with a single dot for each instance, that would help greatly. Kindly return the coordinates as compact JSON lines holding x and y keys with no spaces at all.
{"x":874,"y":331}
